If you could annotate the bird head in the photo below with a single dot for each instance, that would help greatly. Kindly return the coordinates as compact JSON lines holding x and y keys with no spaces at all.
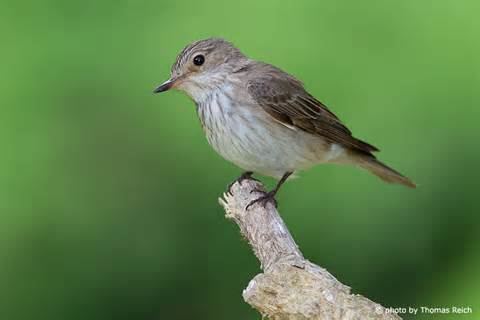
{"x":203,"y":66}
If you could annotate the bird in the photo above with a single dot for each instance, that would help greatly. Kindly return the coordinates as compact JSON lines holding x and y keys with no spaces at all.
{"x":263,"y":120}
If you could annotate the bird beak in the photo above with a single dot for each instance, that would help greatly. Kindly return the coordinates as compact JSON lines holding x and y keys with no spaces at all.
{"x":167,"y":85}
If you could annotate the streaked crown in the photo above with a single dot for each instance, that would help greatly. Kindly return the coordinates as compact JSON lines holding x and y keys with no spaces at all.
{"x":210,"y":53}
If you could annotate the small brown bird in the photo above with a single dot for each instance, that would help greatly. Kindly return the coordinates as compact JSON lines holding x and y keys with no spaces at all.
{"x":262,"y":119}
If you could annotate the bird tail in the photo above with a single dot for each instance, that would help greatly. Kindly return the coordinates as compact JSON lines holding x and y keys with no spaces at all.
{"x":381,"y":170}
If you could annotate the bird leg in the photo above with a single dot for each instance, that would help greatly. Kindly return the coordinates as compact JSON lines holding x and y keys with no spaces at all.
{"x":270,"y":195}
{"x":247,"y":175}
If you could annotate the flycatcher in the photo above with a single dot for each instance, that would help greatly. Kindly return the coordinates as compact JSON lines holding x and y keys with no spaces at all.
{"x":262,"y":119}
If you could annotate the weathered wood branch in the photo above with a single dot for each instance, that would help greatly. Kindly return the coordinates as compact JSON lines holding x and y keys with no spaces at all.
{"x":290,"y":287}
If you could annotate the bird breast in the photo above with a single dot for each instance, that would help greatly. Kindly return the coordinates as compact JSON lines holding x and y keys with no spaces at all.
{"x":243,"y":133}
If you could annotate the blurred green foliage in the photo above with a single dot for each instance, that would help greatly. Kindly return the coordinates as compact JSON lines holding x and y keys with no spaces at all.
{"x":108,"y":193}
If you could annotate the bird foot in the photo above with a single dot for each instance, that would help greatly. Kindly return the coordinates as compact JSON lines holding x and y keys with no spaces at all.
{"x":263,"y":200}
{"x":245,"y":176}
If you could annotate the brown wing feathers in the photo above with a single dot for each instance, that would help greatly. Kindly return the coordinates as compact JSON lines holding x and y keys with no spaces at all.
{"x":285,"y":99}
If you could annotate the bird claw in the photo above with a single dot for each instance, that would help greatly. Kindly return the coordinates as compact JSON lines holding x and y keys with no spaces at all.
{"x":266,"y":198}
{"x":258,"y":191}
{"x":244,"y":176}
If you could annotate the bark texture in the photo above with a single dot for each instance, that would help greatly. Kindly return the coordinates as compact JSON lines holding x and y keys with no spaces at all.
{"x":290,"y":287}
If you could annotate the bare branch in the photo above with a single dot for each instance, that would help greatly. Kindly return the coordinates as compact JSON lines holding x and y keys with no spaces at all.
{"x":290,"y":287}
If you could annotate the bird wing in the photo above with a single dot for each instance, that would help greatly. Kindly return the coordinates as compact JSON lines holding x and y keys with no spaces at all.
{"x":284,"y":98}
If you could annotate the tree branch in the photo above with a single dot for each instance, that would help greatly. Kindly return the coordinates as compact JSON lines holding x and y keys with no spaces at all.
{"x":290,"y":287}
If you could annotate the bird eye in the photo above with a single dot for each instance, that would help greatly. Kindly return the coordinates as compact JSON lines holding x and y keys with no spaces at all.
{"x":198,"y":60}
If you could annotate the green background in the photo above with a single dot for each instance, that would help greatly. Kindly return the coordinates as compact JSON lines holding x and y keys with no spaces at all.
{"x":108,"y":193}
